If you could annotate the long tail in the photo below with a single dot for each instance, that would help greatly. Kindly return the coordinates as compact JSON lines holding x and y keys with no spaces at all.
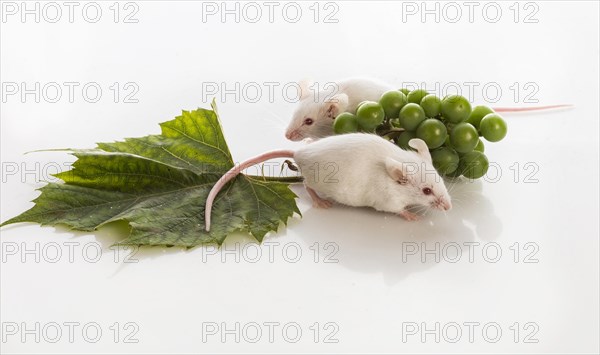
{"x":233,"y":172}
{"x":525,"y":109}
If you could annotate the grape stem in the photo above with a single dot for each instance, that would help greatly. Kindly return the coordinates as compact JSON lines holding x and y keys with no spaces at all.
{"x":391,"y":131}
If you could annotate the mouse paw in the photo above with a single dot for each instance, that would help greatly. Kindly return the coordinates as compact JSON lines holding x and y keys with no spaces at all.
{"x":321,"y":203}
{"x":409,"y":216}
{"x":318,"y":202}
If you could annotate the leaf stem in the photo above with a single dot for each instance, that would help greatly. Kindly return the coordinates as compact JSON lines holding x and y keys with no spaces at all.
{"x":283,"y":179}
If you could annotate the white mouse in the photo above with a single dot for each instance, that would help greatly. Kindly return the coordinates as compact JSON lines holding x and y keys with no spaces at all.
{"x":359,"y":169}
{"x":315,"y":112}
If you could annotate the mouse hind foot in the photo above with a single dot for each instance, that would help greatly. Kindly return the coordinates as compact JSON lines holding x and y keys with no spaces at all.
{"x":318,"y":202}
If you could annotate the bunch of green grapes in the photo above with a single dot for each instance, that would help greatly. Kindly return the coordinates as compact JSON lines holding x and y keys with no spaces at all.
{"x":449,"y":126}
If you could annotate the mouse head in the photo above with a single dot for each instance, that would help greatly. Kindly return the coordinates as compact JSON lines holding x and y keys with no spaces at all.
{"x":418,"y":181}
{"x":314,"y":115}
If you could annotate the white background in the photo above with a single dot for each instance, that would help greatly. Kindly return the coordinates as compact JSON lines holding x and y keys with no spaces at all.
{"x":368,"y":298}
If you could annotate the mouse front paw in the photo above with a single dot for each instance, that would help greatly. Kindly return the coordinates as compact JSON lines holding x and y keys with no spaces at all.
{"x":322,"y":203}
{"x":409,"y":216}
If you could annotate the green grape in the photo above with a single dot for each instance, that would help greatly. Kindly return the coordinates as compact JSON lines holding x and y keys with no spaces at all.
{"x":360,"y":104}
{"x":480,"y":147}
{"x":403,"y":139}
{"x":456,"y":173}
{"x":474,"y":164}
{"x":464,"y":137}
{"x":477,"y":114}
{"x":370,"y":115}
{"x":405,"y":91}
{"x":450,"y":126}
{"x":455,"y":108}
{"x":432,"y":105}
{"x":493,"y":127}
{"x":411,"y":115}
{"x":433,"y":132}
{"x":447,"y":142}
{"x":345,"y":123}
{"x":392,"y":101}
{"x":445,"y":160}
{"x":416,"y":96}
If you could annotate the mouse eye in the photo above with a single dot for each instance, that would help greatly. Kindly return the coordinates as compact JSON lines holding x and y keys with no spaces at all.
{"x":427,"y":191}
{"x":308,"y":121}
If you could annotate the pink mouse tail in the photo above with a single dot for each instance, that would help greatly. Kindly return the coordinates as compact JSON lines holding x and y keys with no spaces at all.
{"x":233,"y":172}
{"x":526,"y":109}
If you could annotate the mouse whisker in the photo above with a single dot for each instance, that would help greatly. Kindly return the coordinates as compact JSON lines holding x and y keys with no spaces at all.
{"x":274,"y":118}
{"x":452,"y":186}
{"x":422,"y":209}
{"x":275,"y":122}
{"x":321,"y":135}
{"x":417,"y":209}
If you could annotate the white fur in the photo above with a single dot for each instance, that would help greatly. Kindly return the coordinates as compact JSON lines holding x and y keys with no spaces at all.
{"x":358,"y":169}
{"x":325,"y":105}
{"x":364,"y":169}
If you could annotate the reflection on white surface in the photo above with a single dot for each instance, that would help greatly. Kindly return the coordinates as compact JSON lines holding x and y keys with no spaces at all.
{"x":374,"y":242}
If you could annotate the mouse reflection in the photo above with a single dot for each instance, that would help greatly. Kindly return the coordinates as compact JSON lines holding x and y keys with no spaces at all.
{"x":374,"y":242}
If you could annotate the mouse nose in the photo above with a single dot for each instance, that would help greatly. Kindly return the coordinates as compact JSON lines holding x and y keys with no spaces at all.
{"x":447,"y":205}
{"x":292,"y":135}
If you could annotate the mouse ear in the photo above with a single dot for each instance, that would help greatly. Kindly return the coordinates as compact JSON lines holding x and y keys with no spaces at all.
{"x":304,"y":87}
{"x":336,"y":105}
{"x":403,"y":173}
{"x":394,"y":170}
{"x":421,"y":148}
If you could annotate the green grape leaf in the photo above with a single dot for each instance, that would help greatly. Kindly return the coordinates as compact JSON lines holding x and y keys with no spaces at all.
{"x":158,"y":184}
